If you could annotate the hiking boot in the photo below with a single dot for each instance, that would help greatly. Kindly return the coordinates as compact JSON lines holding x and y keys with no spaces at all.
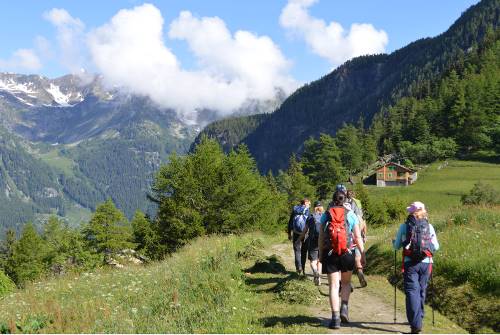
{"x":335,"y":322}
{"x":362,"y":280}
{"x":316,"y":278}
{"x":344,"y":312}
{"x":415,"y":330}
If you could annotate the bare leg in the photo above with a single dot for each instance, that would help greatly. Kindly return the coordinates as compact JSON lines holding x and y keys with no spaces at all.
{"x":333,"y":285}
{"x":346,"y":285}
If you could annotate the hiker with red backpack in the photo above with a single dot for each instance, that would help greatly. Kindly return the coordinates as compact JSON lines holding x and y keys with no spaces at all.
{"x":313,"y":227}
{"x":419,"y":242}
{"x":339,"y":235}
{"x":296,"y":226}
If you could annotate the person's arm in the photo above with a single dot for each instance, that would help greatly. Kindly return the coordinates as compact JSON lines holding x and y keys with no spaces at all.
{"x":360,"y":244}
{"x":321,"y":238}
{"x":434,"y":240}
{"x":399,"y":237}
{"x":321,"y":241}
{"x":290,"y":226}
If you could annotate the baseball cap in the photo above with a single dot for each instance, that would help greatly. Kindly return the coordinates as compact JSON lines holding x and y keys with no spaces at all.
{"x":317,"y":204}
{"x":341,"y":188}
{"x":415,"y":206}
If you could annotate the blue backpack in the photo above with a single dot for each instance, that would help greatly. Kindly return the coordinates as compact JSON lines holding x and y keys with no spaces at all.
{"x":300,"y":213}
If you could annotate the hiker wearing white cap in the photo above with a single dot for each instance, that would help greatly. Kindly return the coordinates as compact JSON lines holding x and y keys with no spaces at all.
{"x":418,"y":239}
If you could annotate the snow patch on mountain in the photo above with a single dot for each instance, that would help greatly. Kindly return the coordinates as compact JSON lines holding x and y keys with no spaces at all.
{"x":59,"y":97}
{"x":14,"y":87}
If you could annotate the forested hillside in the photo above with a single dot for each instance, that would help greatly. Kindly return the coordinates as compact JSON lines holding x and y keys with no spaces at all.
{"x":361,"y":88}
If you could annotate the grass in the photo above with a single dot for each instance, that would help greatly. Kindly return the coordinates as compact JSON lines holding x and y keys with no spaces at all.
{"x":441,"y":187}
{"x":467,"y":274}
{"x":55,"y":159}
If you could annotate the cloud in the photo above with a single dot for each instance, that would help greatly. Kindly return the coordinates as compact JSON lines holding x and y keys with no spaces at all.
{"x":70,"y":35}
{"x":21,"y":59}
{"x":331,"y":41}
{"x":254,"y":60}
{"x":130,"y":52}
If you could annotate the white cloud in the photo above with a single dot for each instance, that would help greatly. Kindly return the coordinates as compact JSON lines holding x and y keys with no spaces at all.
{"x":130,"y":52}
{"x":70,"y":36}
{"x":21,"y":59}
{"x":254,"y":60}
{"x":331,"y":41}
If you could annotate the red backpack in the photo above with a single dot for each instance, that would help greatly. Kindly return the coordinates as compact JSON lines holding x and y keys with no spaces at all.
{"x":337,"y":231}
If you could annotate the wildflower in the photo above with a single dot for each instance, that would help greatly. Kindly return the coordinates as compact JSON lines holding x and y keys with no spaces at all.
{"x":134,"y":310}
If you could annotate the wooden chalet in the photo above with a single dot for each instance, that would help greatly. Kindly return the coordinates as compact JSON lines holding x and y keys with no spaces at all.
{"x":393,"y":174}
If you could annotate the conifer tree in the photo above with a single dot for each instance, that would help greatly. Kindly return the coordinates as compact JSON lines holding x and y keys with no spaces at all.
{"x":28,"y":253}
{"x":108,"y":230}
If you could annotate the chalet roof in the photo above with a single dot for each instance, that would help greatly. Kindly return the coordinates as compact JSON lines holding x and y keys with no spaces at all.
{"x":398,"y":165}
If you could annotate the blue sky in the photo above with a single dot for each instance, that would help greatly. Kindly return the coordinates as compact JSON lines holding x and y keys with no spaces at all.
{"x":404,"y":21}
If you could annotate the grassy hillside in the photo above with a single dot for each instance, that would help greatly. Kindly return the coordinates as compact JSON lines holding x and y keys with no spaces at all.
{"x":467,"y":273}
{"x":440,"y":185}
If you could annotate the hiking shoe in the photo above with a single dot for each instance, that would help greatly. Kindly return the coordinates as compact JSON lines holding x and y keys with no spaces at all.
{"x":344,"y":313}
{"x":335,"y":323}
{"x":362,"y":280}
{"x":316,"y":279}
{"x":415,"y":330}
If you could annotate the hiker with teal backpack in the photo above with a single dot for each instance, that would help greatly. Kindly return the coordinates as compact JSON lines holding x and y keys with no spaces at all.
{"x":296,"y":226}
{"x":419,"y":242}
{"x":339,"y":235}
{"x":358,"y":210}
{"x":313,"y":227}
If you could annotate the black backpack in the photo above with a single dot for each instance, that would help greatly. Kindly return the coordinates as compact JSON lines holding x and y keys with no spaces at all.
{"x":418,"y":243}
{"x":315,"y":225}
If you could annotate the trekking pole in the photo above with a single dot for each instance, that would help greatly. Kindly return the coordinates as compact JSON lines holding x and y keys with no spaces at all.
{"x":432,"y":297}
{"x":395,"y":282}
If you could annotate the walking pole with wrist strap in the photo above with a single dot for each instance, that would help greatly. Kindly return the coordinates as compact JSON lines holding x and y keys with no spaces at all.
{"x":432,"y":296}
{"x":395,"y":282}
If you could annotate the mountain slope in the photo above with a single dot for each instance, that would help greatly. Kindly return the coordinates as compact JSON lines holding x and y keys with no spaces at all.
{"x":360,"y":87}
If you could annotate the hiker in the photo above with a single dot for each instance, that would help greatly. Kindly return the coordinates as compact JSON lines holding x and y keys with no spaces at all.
{"x":296,"y":226}
{"x":419,"y":242}
{"x":338,"y":235}
{"x":358,"y":210}
{"x":313,"y":227}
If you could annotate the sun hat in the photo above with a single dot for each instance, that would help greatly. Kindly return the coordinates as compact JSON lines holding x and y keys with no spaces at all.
{"x":415,"y":206}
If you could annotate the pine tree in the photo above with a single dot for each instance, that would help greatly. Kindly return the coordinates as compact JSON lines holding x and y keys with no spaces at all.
{"x":108,"y":230}
{"x":28,"y":253}
{"x":294,"y":183}
{"x":145,"y":235}
{"x":347,"y":140}
{"x":322,"y":164}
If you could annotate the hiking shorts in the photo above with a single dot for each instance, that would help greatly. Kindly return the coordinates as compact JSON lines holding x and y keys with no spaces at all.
{"x":313,"y":254}
{"x":334,"y":263}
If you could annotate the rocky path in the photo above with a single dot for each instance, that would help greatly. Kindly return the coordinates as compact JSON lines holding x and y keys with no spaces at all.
{"x":369,"y":312}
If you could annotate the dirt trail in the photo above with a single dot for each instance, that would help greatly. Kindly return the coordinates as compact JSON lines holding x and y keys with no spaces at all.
{"x":368,"y":313}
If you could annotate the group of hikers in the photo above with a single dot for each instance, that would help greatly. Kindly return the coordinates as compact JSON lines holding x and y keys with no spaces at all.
{"x":334,"y":241}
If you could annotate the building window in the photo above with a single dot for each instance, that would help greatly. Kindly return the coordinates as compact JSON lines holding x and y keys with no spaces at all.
{"x":381,"y":175}
{"x":389,"y":175}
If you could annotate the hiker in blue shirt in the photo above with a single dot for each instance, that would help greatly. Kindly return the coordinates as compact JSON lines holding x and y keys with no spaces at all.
{"x":339,"y":235}
{"x":419,"y":242}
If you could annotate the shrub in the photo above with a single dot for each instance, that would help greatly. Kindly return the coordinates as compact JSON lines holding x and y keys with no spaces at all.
{"x":482,"y":194}
{"x":6,"y":284}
